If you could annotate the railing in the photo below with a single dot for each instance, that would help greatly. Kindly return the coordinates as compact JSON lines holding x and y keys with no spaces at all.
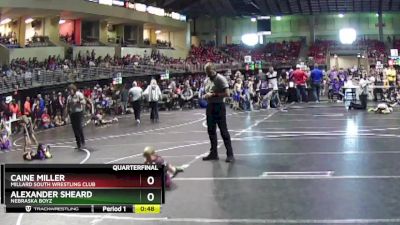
{"x":42,"y":78}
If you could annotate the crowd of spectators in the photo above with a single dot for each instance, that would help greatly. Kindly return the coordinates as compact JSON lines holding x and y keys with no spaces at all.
{"x":207,"y":53}
{"x":69,"y":39}
{"x":38,"y":41}
{"x":163,"y":44}
{"x":9,"y":40}
{"x":375,"y":50}
{"x":318,"y":51}
{"x":286,"y":52}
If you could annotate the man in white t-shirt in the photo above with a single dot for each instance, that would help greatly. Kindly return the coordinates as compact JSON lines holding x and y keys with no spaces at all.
{"x":272,"y":77}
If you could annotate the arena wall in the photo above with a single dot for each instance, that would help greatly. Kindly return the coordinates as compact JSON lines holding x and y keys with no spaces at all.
{"x":296,"y":26}
{"x":41,"y":53}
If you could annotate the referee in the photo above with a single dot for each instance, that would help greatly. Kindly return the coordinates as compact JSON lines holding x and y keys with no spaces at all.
{"x":75,"y":106}
{"x":216,"y":89}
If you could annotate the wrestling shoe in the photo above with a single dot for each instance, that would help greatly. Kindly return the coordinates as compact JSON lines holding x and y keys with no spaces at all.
{"x":177,"y":170}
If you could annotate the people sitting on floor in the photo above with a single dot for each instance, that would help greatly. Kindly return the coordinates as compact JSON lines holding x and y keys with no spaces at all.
{"x":5,"y":142}
{"x":58,"y":120}
{"x":151,"y":157}
{"x":186,"y":97}
{"x":46,"y":120}
{"x":246,"y":98}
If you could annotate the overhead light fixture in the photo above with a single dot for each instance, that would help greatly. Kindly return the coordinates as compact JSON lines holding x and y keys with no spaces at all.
{"x":183,"y":18}
{"x":253,"y":19}
{"x":279,"y":18}
{"x":61,"y":22}
{"x":29,"y":20}
{"x":250,"y":39}
{"x":158,"y":31}
{"x":5,"y":21}
{"x":341,"y":15}
{"x":347,"y":36}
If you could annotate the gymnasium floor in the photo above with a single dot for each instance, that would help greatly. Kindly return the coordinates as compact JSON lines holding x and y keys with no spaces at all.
{"x":315,"y":164}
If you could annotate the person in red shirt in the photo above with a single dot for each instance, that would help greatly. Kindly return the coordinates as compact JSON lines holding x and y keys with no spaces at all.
{"x":14,"y":108}
{"x":46,"y":120}
{"x":27,"y":107}
{"x":300,"y":78}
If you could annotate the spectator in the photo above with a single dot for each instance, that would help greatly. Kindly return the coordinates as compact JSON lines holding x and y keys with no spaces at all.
{"x":300,"y":79}
{"x":186,"y":96}
{"x":273,"y":94}
{"x":58,"y":120}
{"x":124,"y":98}
{"x":27,"y":107}
{"x":14,"y":109}
{"x":42,"y":103}
{"x":316,"y":80}
{"x":46,"y":120}
{"x":5,"y":142}
{"x":153,"y":94}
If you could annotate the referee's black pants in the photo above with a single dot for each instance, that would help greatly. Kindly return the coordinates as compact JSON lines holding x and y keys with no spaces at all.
{"x":77,"y":126}
{"x":216,"y":115}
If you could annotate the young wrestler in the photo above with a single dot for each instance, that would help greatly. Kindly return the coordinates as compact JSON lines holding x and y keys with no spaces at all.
{"x":151,"y":157}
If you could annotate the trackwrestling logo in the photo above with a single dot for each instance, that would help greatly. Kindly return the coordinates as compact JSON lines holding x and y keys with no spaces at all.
{"x":28,"y":208}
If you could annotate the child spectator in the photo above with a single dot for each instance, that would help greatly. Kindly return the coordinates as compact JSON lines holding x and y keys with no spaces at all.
{"x":46,"y":120}
{"x":58,"y":120}
{"x":5,"y":142}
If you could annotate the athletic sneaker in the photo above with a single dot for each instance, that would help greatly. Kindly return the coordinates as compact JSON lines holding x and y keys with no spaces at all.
{"x":138,"y":121}
{"x":177,"y":170}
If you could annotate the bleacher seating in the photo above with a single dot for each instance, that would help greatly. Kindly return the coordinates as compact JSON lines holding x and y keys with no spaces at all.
{"x":204,"y":54}
{"x":286,"y":52}
{"x":318,"y":51}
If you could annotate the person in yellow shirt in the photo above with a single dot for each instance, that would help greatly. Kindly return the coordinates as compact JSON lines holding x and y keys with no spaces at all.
{"x":391,"y":77}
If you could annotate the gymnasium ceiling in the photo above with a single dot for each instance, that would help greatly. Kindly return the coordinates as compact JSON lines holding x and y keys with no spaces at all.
{"x":194,"y":8}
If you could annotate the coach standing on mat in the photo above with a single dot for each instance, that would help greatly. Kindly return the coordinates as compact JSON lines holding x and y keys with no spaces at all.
{"x":217,"y":89}
{"x":75,"y":106}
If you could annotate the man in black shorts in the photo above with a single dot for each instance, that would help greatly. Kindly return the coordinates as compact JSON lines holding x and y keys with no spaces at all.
{"x":216,"y":89}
